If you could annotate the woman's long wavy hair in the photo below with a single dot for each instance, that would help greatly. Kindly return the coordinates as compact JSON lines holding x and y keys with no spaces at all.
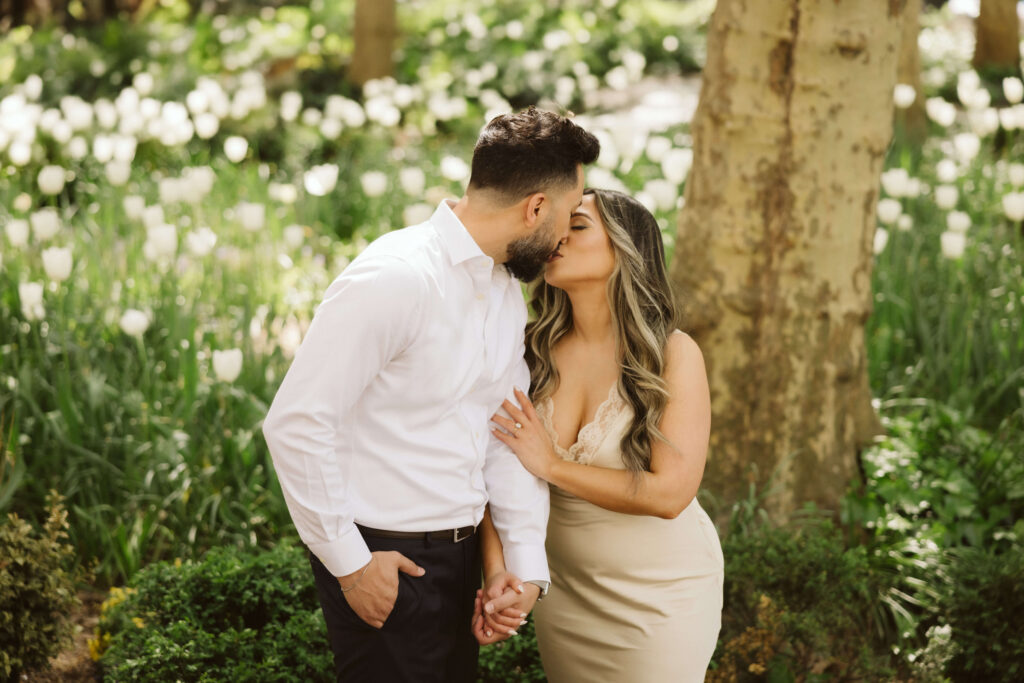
{"x":643,"y":314}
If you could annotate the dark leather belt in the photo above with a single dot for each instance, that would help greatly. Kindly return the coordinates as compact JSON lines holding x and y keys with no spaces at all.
{"x":449,"y":535}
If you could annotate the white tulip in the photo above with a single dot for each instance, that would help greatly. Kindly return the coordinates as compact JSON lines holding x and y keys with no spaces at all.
{"x":57,"y":263}
{"x":227,"y":365}
{"x":207,"y":125}
{"x":23,"y":202}
{"x":657,"y":147}
{"x":320,"y":180}
{"x":143,"y":83}
{"x":1013,"y":206}
{"x":152,"y":216}
{"x":294,"y":236}
{"x":647,"y":199}
{"x":45,"y":223}
{"x":953,"y":244}
{"x":881,"y":239}
{"x":895,"y":182}
{"x":676,"y":163}
{"x":134,"y":322}
{"x":967,"y":146}
{"x":330,"y":128}
{"x":664,"y":192}
{"x":609,"y":155}
{"x":940,"y":111}
{"x":1008,"y":118}
{"x":311,"y":117}
{"x":291,"y":105}
{"x":454,"y":168}
{"x":170,"y":190}
{"x":905,"y":223}
{"x":17,"y":232}
{"x":413,"y":181}
{"x":161,"y":242}
{"x":286,"y":193}
{"x":414,"y":214}
{"x":118,"y":172}
{"x":1015,"y":172}
{"x":903,"y":95}
{"x":201,"y":241}
{"x":290,"y":337}
{"x":1013,"y":89}
{"x":20,"y":152}
{"x":33,"y":87}
{"x":946,"y":171}
{"x":78,"y":148}
{"x":958,"y":221}
{"x":946,"y":196}
{"x":252,"y":215}
{"x":889,"y":210}
{"x":31,"y":296}
{"x":197,"y":101}
{"x":103,"y":148}
{"x":197,"y":183}
{"x":235,"y":148}
{"x":374,"y":183}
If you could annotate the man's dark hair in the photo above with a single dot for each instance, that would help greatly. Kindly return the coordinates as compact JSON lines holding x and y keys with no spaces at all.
{"x":532,"y":151}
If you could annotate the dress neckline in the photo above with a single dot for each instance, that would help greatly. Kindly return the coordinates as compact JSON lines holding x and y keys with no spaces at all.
{"x":582,"y":436}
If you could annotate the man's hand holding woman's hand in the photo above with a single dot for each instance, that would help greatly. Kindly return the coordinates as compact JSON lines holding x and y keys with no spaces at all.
{"x":501,"y":607}
{"x":371,"y":591}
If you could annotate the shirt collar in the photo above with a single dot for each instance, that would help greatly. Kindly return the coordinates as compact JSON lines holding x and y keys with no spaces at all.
{"x":459,"y":244}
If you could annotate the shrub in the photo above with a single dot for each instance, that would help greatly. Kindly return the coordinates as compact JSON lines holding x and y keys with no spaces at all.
{"x":515,"y":659}
{"x":37,"y":590}
{"x":797,"y":601}
{"x":985,"y":601}
{"x":237,"y":615}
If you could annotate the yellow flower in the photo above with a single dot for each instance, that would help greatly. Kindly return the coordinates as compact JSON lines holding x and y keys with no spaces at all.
{"x":139,"y":623}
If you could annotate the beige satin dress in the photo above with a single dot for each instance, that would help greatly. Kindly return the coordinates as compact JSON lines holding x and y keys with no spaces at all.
{"x":633,"y":599}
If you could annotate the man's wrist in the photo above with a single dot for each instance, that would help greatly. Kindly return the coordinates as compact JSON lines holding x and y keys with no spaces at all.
{"x":543,"y":585}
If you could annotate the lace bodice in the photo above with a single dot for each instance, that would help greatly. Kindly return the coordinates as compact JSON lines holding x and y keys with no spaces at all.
{"x":599,"y":437}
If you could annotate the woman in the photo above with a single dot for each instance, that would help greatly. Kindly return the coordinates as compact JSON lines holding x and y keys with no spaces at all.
{"x":618,"y":426}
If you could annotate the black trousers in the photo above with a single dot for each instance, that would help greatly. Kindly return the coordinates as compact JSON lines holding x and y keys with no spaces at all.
{"x":427,"y":636}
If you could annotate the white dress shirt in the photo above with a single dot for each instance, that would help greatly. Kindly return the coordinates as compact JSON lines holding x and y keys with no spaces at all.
{"x":383,"y":418}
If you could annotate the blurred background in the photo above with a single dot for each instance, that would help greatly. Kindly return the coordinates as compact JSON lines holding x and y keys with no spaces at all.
{"x":180,"y":181}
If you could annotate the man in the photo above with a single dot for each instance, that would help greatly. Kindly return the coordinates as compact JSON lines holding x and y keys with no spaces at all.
{"x":379,"y":432}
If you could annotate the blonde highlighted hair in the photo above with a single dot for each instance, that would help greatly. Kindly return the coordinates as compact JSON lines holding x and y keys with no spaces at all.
{"x":643,"y":314}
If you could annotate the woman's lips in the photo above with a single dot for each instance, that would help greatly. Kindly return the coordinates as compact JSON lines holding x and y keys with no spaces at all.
{"x":554,"y":256}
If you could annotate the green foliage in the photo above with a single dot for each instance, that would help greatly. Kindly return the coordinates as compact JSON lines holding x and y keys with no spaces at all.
{"x":933,"y":482}
{"x":37,"y":590}
{"x":797,"y":600}
{"x":234,"y":616}
{"x":985,"y":601}
{"x":514,"y":659}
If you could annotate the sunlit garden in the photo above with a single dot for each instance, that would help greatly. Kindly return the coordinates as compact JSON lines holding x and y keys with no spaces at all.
{"x":178,"y":190}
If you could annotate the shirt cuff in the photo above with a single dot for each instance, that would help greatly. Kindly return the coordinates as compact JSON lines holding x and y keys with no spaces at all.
{"x":344,"y":555}
{"x":528,"y":562}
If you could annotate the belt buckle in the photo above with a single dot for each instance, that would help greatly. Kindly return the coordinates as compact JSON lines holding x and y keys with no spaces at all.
{"x":459,"y":539}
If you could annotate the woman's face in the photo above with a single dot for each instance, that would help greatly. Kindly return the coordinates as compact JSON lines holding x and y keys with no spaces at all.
{"x":586,"y":255}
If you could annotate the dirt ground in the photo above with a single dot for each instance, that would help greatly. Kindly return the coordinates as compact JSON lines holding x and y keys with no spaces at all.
{"x":74,"y":664}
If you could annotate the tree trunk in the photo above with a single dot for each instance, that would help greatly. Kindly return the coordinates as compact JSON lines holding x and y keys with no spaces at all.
{"x":913,"y":120}
{"x":997,"y":38}
{"x":774,"y":252}
{"x":374,"y":40}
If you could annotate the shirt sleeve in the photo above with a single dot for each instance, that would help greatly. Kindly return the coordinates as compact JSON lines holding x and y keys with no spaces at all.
{"x":369,"y":314}
{"x":519,"y":501}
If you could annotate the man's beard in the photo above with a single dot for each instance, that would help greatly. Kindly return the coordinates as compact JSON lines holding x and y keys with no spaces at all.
{"x":527,"y":255}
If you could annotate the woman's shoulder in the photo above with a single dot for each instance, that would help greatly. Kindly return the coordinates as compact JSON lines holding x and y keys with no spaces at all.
{"x":682,"y":356}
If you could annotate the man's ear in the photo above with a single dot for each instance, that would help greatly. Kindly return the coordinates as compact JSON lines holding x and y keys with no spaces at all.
{"x":536,"y":205}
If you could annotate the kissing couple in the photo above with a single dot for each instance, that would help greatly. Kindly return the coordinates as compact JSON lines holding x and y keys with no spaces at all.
{"x":454,"y":465}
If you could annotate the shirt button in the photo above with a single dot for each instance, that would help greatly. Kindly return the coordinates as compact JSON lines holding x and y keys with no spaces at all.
{"x":479,"y":296}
